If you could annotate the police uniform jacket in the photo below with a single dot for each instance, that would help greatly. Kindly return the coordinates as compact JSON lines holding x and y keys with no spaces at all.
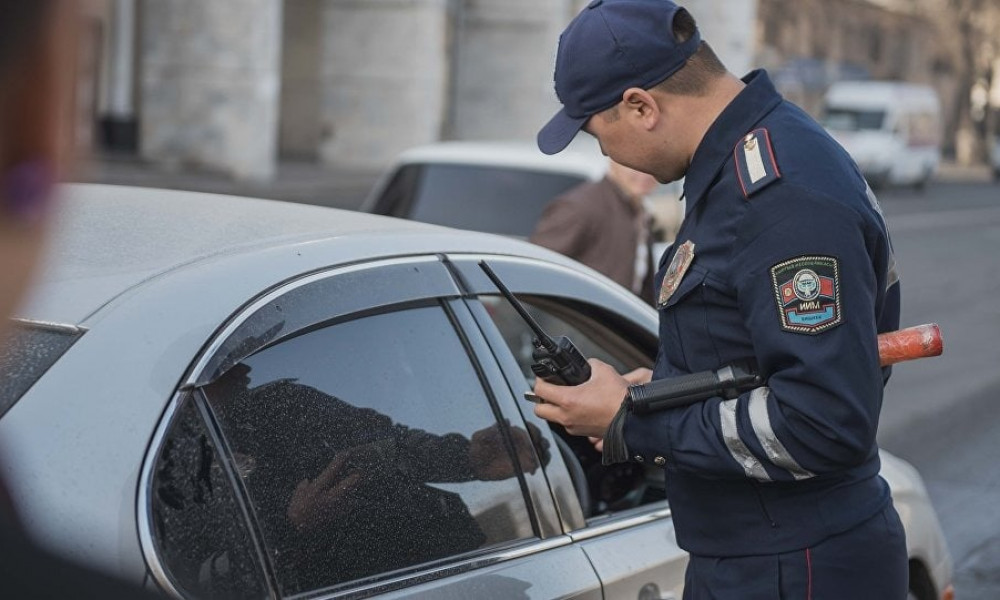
{"x":783,"y":258}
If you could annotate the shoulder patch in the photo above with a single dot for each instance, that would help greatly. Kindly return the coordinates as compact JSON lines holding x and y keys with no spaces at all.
{"x":756,"y":167}
{"x":807,"y":289}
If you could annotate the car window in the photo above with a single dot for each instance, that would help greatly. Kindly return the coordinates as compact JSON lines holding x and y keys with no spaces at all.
{"x":198,"y":526}
{"x":396,"y":197}
{"x":842,"y":119}
{"x":611,"y":488}
{"x":29,"y":350}
{"x":500,"y":200}
{"x":370,"y":446}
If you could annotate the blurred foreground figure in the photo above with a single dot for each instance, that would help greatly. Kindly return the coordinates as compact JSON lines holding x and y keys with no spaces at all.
{"x":36,"y":77}
{"x":605,"y":225}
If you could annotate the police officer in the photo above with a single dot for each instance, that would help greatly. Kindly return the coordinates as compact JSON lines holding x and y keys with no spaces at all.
{"x":783,"y":258}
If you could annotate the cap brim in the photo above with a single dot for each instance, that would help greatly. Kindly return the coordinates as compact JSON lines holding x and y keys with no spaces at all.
{"x":559,"y":132}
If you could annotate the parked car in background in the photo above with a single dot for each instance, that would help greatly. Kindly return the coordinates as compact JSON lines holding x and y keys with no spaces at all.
{"x":891,"y":129}
{"x":233,"y":398}
{"x":497,"y":187}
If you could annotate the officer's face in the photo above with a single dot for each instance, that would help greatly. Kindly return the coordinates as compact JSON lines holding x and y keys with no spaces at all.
{"x":612,"y":133}
{"x":629,"y":134}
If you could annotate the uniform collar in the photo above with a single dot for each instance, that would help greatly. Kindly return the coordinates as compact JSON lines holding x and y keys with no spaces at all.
{"x":752,"y":104}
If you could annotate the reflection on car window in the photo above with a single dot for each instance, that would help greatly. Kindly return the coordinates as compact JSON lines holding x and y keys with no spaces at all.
{"x":370,"y":446}
{"x":197,"y":524}
{"x":611,"y":488}
{"x":491,"y":199}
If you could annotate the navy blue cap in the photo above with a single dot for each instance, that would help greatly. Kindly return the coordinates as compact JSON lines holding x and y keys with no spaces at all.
{"x":611,"y":46}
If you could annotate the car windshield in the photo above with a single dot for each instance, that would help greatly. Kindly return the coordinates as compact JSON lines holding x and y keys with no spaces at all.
{"x":29,"y":351}
{"x":842,"y":119}
{"x":500,"y":200}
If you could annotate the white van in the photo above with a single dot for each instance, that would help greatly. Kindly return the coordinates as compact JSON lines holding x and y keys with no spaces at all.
{"x":891,"y":129}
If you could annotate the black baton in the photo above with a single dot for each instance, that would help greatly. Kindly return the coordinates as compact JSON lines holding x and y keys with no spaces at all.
{"x":729,"y":382}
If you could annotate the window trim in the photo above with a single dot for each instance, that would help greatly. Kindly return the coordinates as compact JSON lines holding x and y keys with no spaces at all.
{"x":524,"y":286}
{"x":435,"y":573}
{"x":444,"y":296}
{"x":212,"y":363}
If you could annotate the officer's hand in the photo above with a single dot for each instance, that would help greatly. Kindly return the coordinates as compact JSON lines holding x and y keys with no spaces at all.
{"x":585,"y":409}
{"x":639,"y":376}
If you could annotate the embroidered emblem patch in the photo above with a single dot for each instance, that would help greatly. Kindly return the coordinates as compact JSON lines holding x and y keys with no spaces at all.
{"x":675,"y":272}
{"x":807,"y":289}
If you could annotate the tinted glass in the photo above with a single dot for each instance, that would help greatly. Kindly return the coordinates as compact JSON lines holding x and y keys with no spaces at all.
{"x":853,"y":120}
{"x":492,"y":199}
{"x":611,"y":488}
{"x":198,"y":526}
{"x":395,"y":199}
{"x":26,"y":354}
{"x":370,"y":446}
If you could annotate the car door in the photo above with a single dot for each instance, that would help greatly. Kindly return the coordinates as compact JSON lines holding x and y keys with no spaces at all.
{"x":626,"y":530}
{"x":343,"y":437}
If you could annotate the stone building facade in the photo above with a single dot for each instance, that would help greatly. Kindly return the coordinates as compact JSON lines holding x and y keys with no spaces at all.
{"x":809,"y":44}
{"x":234,"y":86}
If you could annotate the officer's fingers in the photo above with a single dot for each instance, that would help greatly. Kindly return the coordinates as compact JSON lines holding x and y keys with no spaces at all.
{"x":601,"y":371}
{"x":550,"y":392}
{"x":639,"y":376}
{"x":551,"y":412}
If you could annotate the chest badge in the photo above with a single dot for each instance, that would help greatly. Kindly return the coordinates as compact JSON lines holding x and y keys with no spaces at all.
{"x":675,"y":272}
{"x":807,"y":289}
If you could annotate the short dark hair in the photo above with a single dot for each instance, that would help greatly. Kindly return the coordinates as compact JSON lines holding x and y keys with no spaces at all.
{"x":700,"y":70}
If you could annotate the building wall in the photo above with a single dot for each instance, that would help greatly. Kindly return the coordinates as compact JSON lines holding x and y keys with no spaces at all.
{"x":299,"y":131}
{"x":808,"y":44}
{"x":210,"y":79}
{"x":383,"y":78}
{"x":230,"y":85}
{"x":503,"y":58}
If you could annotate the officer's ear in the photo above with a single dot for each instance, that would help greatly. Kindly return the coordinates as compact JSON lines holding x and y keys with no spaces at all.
{"x":641,"y":108}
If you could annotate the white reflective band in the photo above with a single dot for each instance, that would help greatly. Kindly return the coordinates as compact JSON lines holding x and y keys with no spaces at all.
{"x":775,"y":450}
{"x":755,"y":163}
{"x":751,"y":466}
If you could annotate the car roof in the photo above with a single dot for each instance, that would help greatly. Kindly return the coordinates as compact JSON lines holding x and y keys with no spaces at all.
{"x":109,"y":239}
{"x":582,"y":157}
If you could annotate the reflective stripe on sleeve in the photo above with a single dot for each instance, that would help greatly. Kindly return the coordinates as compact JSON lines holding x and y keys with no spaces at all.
{"x":775,"y":450}
{"x":751,"y":466}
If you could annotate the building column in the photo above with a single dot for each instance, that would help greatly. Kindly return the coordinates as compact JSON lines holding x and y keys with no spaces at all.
{"x":118,"y":122}
{"x":210,"y":83}
{"x":504,"y":60}
{"x":383,"y":78}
